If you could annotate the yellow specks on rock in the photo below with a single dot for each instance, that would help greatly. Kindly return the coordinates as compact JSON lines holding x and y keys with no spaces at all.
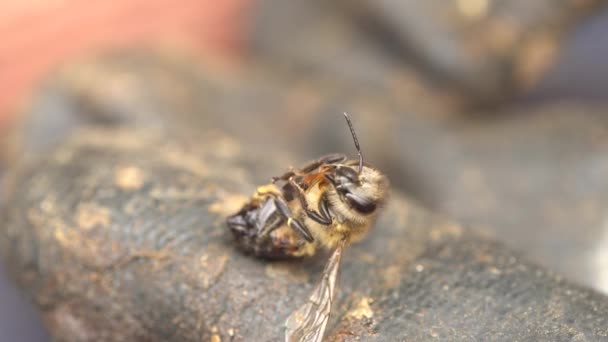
{"x":86,"y":250}
{"x":48,"y":205}
{"x":129,"y":178}
{"x":89,"y":216}
{"x":61,"y":237}
{"x":495,"y":270}
{"x":215,"y":337}
{"x":362,"y":309}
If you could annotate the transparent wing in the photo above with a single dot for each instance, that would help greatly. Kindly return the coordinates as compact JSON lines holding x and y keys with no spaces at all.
{"x":307,"y":323}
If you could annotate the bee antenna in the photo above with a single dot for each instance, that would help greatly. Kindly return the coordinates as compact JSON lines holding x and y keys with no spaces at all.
{"x":352,"y":132}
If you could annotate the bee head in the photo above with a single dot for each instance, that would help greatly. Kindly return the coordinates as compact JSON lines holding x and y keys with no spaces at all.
{"x":362,"y":191}
{"x":361,"y":187}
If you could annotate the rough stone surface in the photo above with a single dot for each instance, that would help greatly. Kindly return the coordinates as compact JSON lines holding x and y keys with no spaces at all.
{"x":530,"y":175}
{"x":115,"y":220}
{"x":149,"y":257}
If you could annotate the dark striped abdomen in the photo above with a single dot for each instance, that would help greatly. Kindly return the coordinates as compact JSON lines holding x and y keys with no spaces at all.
{"x":259,"y":229}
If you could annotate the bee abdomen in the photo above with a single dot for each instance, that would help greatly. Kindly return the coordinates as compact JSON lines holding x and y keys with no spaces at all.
{"x":256,"y":230}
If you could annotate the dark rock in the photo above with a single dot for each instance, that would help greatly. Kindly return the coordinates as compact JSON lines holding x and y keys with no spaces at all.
{"x":531,"y":176}
{"x":116,"y":231}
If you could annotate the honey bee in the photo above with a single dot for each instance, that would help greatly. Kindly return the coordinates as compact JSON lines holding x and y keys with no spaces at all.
{"x":329,"y":203}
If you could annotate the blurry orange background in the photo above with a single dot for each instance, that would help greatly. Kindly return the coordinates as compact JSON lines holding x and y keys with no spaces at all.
{"x":36,"y":36}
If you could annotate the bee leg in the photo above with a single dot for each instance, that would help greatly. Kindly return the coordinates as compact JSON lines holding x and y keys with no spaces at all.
{"x":266,"y":220}
{"x":292,"y":222}
{"x":333,"y":158}
{"x":299,"y":227}
{"x":328,"y":159}
{"x":324,"y":207}
{"x":284,"y":176}
{"x":325,"y":220}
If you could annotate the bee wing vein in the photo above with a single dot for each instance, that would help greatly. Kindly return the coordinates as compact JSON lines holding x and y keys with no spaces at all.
{"x":307,"y":323}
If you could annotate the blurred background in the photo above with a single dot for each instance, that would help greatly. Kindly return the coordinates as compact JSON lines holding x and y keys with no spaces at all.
{"x":491,"y":112}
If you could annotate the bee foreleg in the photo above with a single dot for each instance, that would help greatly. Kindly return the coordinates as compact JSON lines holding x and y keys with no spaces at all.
{"x":292,"y":222}
{"x":284,"y":176}
{"x":325,"y":220}
{"x":299,"y":227}
{"x":328,"y":159}
{"x":324,"y":207}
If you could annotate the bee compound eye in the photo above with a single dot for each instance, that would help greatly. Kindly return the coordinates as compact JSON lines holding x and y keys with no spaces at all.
{"x":361,"y":204}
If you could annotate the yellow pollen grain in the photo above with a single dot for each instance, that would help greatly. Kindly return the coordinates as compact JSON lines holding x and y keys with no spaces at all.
{"x":362,"y":310}
{"x":129,"y":178}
